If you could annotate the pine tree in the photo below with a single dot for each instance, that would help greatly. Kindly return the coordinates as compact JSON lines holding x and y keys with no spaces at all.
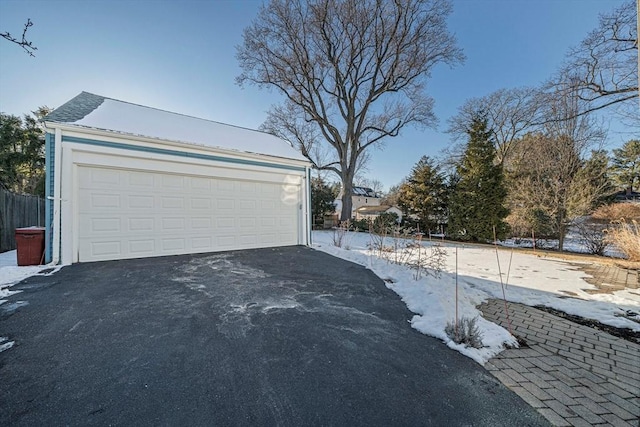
{"x":626,"y":165}
{"x":424,"y":194}
{"x":477,"y":202}
{"x":322,"y":199}
{"x":22,"y":153}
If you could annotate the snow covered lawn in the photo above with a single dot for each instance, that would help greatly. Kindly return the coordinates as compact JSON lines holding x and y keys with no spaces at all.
{"x":532,"y":280}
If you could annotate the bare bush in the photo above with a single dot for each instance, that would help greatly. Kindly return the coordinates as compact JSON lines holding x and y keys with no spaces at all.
{"x":429,"y":260}
{"x":340,"y":233}
{"x":626,"y":237}
{"x":465,"y":331}
{"x":402,"y":247}
{"x":592,"y":236}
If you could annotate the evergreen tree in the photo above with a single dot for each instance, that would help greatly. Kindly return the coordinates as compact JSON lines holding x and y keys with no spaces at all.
{"x":626,"y":165}
{"x":477,"y":202}
{"x":22,"y":153}
{"x":424,"y":195}
{"x":322,"y":199}
{"x":591,"y":186}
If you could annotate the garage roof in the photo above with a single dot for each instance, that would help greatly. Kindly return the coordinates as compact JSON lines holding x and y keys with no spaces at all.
{"x":98,"y":112}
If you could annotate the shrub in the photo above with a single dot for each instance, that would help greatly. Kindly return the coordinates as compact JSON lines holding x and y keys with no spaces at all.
{"x":626,"y":237}
{"x":360,"y":224}
{"x":465,"y":332}
{"x":618,"y":211}
{"x":340,"y":233}
{"x":593,"y":238}
{"x":403,"y":247}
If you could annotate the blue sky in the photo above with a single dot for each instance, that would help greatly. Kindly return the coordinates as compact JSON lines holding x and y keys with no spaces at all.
{"x":180,"y":56}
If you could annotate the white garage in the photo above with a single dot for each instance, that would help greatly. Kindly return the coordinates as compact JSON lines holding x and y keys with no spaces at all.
{"x":128,"y":181}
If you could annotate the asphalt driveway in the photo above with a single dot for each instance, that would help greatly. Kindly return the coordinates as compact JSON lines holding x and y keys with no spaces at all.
{"x":287,"y":336}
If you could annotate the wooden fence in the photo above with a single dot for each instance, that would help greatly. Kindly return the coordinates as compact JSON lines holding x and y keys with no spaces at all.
{"x":18,"y":210}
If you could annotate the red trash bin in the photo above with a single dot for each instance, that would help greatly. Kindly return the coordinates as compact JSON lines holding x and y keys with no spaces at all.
{"x":30,"y":245}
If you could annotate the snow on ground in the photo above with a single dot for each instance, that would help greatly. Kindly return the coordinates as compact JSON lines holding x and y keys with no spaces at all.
{"x":528,"y":278}
{"x":10,"y":273}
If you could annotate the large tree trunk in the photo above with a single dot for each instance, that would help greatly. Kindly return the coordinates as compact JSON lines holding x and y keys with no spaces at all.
{"x":347,"y":200}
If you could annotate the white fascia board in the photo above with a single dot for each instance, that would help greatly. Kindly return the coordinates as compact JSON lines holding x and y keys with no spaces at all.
{"x":85,"y":132}
{"x":57,"y":173}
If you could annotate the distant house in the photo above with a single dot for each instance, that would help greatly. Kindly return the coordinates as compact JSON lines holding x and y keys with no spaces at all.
{"x":365,"y":204}
{"x":361,"y":196}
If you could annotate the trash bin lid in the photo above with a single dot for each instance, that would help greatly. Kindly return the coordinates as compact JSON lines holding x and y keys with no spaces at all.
{"x":30,"y":230}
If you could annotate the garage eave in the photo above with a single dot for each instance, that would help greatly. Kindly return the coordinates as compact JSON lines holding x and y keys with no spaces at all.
{"x":148,"y":143}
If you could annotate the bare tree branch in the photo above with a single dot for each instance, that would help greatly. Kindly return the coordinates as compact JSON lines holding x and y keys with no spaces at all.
{"x":510,"y":114}
{"x":603,"y":69}
{"x":23,"y":43}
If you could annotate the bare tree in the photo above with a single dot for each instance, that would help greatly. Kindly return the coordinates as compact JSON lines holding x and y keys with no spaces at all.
{"x":23,"y":42}
{"x":353,"y":72}
{"x":557,"y":176}
{"x":603,"y":69}
{"x":510,"y":114}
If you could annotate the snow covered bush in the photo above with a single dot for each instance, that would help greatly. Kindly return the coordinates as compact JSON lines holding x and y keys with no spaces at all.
{"x":465,"y":331}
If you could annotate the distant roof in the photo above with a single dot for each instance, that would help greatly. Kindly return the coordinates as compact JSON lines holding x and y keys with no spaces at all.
{"x":364,"y":191}
{"x":88,"y":110}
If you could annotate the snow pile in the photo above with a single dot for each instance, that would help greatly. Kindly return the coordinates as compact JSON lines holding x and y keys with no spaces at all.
{"x":10,"y":273}
{"x":528,"y":279}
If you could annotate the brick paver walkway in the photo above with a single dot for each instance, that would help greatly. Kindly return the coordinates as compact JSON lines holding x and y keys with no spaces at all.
{"x":572,"y":374}
{"x":608,"y":277}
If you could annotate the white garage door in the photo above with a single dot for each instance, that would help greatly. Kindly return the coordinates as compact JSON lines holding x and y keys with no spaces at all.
{"x":134,"y":214}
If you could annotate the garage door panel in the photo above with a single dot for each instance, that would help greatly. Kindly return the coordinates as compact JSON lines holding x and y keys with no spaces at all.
{"x":225,"y":204}
{"x":173,"y":244}
{"x":102,"y":200}
{"x":139,"y":201}
{"x":204,"y":223}
{"x":200,"y":184}
{"x":155,"y":213}
{"x":141,"y":180}
{"x":227,"y":241}
{"x":142,"y":247}
{"x":102,"y":178}
{"x":137,"y":225}
{"x":172,"y":225}
{"x":173,"y":182}
{"x":202,"y":243}
{"x":201,"y":203}
{"x":225,"y":186}
{"x":225,"y":222}
{"x":105,"y":250}
{"x":168,"y":202}
{"x":105,"y":225}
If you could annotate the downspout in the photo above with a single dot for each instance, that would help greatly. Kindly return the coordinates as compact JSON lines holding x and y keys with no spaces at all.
{"x":308,"y":203}
{"x":57,"y":171}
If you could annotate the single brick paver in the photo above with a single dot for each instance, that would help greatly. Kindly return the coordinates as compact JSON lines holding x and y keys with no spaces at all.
{"x":572,"y":374}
